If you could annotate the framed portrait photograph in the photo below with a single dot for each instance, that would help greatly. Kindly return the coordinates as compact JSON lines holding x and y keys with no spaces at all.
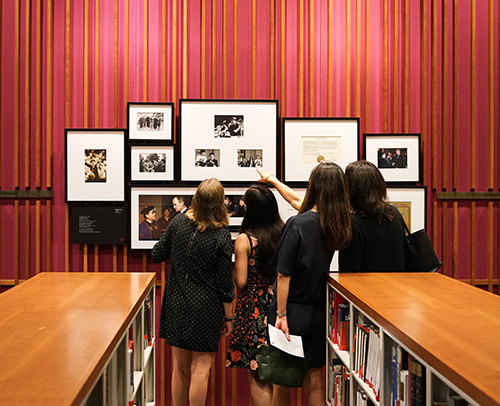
{"x":150,"y":163}
{"x":227,"y":139}
{"x":94,"y":165}
{"x":397,"y":156}
{"x":151,"y":122}
{"x":308,"y":141}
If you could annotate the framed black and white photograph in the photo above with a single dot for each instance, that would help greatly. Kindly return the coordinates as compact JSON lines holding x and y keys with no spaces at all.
{"x":94,"y":165}
{"x":397,"y":156}
{"x":227,"y":138}
{"x":151,"y":122}
{"x":411,"y":201}
{"x":151,"y":163}
{"x":308,"y":141}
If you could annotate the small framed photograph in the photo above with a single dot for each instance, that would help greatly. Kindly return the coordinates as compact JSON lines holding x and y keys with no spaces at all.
{"x":94,"y":165}
{"x":227,"y":139}
{"x":151,"y":122}
{"x":308,"y":141}
{"x":151,"y":163}
{"x":397,"y":156}
{"x":411,"y":201}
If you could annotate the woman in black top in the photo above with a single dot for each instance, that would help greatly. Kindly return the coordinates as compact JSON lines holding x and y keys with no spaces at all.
{"x":378,"y":232}
{"x":199,"y":290}
{"x":303,"y":258}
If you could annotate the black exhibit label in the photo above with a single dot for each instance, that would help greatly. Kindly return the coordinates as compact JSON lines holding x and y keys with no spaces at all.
{"x":99,"y":225}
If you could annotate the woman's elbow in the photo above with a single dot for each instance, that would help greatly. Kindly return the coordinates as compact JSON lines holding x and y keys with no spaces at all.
{"x":240,"y":283}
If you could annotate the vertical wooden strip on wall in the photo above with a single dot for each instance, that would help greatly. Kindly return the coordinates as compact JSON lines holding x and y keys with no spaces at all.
{"x":235,"y":49}
{"x":116,"y":71}
{"x":164,"y":39}
{"x":96,"y":258}
{"x":48,"y":95}
{"x":38,"y":111}
{"x":490,"y":254}
{"x":329,"y":78}
{"x":311,"y":58}
{"x":17,"y":249}
{"x":385,"y":67}
{"x":97,"y":61}
{"x":126,"y":63}
{"x":224,"y":49}
{"x":444,"y":98}
{"x":145,"y":49}
{"x":434,"y":237}
{"x":49,"y":236}
{"x":203,"y":69}
{"x":17,"y":92}
{"x":491,"y":95}
{"x":357,"y":111}
{"x":434,"y":93}
{"x":454,"y":137}
{"x":214,"y":49}
{"x":174,"y":51}
{"x":472,"y":239}
{"x":348,"y":59}
{"x":38,"y":237}
{"x":444,"y":236}
{"x":67,"y":117}
{"x":301,"y":59}
{"x":367,"y":66}
{"x":423,"y":82}
{"x":473,"y":97}
{"x":185,"y":13}
{"x":272,"y":50}
{"x":115,"y":258}
{"x":27,"y":96}
{"x":27,"y":239}
{"x":454,"y":250}
{"x":395,"y":69}
{"x":86,"y":65}
{"x":406,"y":72}
{"x":254,"y":49}
{"x":283,"y":57}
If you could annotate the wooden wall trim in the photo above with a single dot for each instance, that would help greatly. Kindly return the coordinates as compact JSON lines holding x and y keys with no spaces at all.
{"x":468,"y":195}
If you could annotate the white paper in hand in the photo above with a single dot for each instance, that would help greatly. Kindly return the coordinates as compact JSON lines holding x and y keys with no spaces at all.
{"x":278,"y":339}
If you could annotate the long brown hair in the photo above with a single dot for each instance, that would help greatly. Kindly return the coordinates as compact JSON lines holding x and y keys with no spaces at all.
{"x":207,"y":207}
{"x":368,"y":191}
{"x":328,"y":191}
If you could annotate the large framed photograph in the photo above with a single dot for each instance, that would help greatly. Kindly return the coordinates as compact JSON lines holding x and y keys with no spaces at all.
{"x":308,"y":141}
{"x":411,"y":202}
{"x":227,"y":139}
{"x":151,"y":163}
{"x":397,"y":156}
{"x":151,"y":122}
{"x":94,"y":165}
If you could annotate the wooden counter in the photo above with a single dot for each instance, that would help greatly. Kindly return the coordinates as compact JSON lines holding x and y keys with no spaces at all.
{"x":57,"y":331}
{"x":453,"y":327}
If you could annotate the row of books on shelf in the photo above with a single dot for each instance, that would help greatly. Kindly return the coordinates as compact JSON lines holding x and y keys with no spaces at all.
{"x":338,"y":385}
{"x":366,"y":356}
{"x":339,"y":319}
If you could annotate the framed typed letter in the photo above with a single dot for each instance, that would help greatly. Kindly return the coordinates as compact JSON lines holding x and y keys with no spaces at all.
{"x":94,"y":163}
{"x":308,"y":141}
{"x":227,"y":139}
{"x":151,"y":122}
{"x":151,"y":163}
{"x":396,"y":155}
{"x":152,"y":210}
{"x":411,"y":203}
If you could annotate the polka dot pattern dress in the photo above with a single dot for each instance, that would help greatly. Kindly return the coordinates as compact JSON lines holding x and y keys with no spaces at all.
{"x":200,"y":279}
{"x":250,"y":330}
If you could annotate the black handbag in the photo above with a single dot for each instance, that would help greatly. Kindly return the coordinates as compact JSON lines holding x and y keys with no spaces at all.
{"x":281,"y":368}
{"x":419,"y":252}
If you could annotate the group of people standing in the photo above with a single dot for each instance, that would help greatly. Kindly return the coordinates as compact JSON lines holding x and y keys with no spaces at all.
{"x":280,"y":271}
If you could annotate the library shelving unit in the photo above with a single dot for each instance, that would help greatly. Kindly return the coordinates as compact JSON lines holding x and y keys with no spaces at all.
{"x":66,"y":339}
{"x":435,"y":341}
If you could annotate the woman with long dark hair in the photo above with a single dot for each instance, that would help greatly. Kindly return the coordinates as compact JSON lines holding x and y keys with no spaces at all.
{"x":197,"y":302}
{"x":378,"y":232}
{"x":303,"y":259}
{"x":254,"y":248}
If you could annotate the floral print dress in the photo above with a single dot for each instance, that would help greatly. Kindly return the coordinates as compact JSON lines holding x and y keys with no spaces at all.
{"x":250,"y":328}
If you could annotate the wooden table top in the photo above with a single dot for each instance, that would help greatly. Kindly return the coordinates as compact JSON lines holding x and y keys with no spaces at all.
{"x":452,"y":326}
{"x":57,"y":331}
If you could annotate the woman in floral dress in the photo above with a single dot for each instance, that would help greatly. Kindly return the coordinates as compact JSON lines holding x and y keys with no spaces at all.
{"x":259,"y":235}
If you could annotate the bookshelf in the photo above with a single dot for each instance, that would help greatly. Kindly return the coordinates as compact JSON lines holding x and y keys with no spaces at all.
{"x":65,"y":340}
{"x":444,"y":332}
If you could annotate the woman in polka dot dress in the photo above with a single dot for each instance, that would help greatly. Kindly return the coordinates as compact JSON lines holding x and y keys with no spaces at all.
{"x":259,"y":235}
{"x":199,"y":291}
